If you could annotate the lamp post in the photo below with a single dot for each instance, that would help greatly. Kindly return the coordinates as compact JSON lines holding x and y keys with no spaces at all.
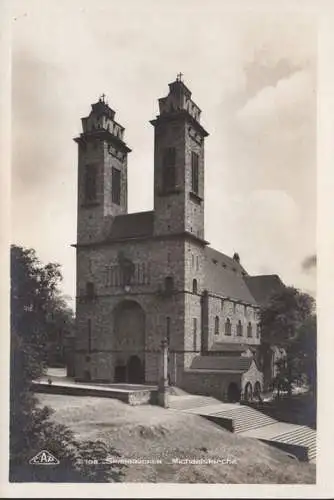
{"x":163,"y":380}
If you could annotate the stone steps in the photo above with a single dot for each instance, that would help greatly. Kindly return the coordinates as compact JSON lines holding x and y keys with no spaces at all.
{"x":303,"y":436}
{"x":296,"y":439}
{"x":189,"y":402}
{"x":245,"y":418}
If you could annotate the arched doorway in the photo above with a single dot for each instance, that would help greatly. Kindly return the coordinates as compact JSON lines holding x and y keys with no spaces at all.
{"x":129,"y":341}
{"x":135,"y":371}
{"x":233,"y":393}
{"x":248,"y":394}
{"x":257,"y":390}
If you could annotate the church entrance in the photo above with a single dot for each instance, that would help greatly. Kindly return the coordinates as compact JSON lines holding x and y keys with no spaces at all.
{"x":135,"y":371}
{"x":129,"y":342}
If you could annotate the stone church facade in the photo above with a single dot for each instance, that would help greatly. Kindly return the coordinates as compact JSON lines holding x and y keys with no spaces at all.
{"x":146,"y":276}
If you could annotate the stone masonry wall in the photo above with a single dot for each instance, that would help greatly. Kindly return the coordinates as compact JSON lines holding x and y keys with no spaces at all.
{"x":208,"y":383}
{"x":166,"y":259}
{"x":234,"y":311}
{"x":169,"y":209}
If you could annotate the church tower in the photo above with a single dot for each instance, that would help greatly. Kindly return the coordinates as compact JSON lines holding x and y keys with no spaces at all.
{"x":179,"y":164}
{"x":102,"y":173}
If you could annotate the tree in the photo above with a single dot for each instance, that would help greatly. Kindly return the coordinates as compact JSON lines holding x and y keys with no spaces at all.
{"x":60,"y":324}
{"x":305,"y":350}
{"x":282,"y":321}
{"x":34,"y":291}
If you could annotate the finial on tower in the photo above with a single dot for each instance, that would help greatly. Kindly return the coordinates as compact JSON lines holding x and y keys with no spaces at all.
{"x":103,"y":99}
{"x":179,"y":77}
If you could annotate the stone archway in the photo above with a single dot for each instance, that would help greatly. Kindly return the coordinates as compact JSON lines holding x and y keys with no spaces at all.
{"x":248,"y":393}
{"x":129,"y":342}
{"x":233,"y":393}
{"x":257,"y":390}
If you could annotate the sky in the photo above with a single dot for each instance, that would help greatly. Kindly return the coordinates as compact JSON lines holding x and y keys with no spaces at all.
{"x":252,"y":71}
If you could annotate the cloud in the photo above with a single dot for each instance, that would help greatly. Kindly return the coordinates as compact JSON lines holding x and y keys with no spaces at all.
{"x":285,"y":106}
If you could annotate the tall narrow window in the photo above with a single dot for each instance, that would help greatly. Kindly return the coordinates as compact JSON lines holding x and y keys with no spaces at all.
{"x":90,"y":183}
{"x":239,"y":329}
{"x":216,"y":325}
{"x":228,"y":327}
{"x":195,"y":286}
{"x":168,"y":330}
{"x":194,"y":172}
{"x":195,"y":334}
{"x":258,"y":331}
{"x":169,"y":284}
{"x":249,"y":330}
{"x":116,"y":186}
{"x":89,"y":332}
{"x":169,"y":169}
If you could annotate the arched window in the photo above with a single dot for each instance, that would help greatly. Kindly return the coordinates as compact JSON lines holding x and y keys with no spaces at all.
{"x":249,"y":330}
{"x":194,"y":286}
{"x":258,"y":331}
{"x":216,"y":325}
{"x":228,"y":327}
{"x":239,"y":329}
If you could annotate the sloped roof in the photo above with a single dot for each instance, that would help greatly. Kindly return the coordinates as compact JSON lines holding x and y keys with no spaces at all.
{"x":263,"y":287}
{"x":225,"y":276}
{"x":223,"y":363}
{"x":132,"y":225}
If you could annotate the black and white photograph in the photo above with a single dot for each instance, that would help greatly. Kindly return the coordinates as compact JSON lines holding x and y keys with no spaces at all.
{"x":163,"y":247}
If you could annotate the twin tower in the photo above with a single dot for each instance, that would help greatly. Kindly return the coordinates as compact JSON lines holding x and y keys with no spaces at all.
{"x":178,"y":169}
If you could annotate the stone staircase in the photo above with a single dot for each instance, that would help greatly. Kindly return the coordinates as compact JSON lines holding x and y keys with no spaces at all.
{"x":249,"y":422}
{"x":245,"y":418}
{"x":189,"y":401}
{"x":301,"y":436}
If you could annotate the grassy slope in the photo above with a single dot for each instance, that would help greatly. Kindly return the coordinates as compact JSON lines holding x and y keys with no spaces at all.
{"x":149,"y":432}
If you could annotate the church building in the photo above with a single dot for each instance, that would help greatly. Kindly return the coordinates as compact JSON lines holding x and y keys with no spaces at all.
{"x":143,"y":277}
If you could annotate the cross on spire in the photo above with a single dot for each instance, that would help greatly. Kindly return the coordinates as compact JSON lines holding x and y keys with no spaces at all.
{"x":102,"y":98}
{"x":179,"y":77}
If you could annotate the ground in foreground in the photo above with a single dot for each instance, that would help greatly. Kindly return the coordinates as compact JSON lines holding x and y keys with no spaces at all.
{"x":149,"y":432}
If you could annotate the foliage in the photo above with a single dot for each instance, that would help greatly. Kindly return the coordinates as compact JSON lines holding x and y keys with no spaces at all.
{"x":60,"y":324}
{"x":304,"y":350}
{"x":288,"y":322}
{"x":34,"y":293}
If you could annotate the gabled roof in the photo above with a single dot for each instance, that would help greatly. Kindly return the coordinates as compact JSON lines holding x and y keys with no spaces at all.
{"x":263,"y":287}
{"x":224,"y":276}
{"x":135,"y":225}
{"x":223,"y":363}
